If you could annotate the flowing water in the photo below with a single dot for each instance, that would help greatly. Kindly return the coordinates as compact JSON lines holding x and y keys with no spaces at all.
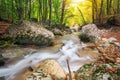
{"x":67,"y":52}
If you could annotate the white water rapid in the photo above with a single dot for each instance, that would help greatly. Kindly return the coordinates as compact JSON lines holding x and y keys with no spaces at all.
{"x":68,"y":51}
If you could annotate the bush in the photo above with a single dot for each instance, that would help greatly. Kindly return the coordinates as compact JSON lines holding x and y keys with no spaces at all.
{"x":6,"y":42}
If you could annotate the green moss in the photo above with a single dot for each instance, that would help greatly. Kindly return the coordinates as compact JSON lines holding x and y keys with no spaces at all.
{"x":97,"y":71}
{"x":6,"y":42}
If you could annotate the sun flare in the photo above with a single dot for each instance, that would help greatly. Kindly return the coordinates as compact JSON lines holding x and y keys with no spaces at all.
{"x":76,"y":1}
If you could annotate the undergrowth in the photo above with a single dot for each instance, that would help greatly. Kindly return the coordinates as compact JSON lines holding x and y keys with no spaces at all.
{"x":6,"y":42}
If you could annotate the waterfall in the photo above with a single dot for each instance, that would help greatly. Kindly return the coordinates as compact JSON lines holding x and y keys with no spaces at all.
{"x":67,"y":52}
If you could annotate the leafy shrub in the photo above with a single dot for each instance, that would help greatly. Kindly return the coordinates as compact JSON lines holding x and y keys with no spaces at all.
{"x":6,"y":42}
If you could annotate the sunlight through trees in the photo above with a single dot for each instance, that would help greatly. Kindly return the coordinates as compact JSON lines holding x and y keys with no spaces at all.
{"x":67,"y":12}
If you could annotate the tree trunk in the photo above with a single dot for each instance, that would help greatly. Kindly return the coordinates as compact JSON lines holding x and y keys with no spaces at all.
{"x":45,"y":10}
{"x":101,"y":12}
{"x":40,"y":10}
{"x":50,"y":12}
{"x":118,"y":7}
{"x":107,"y":7}
{"x":62,"y":11}
{"x":93,"y":11}
{"x":12,"y":11}
{"x":110,"y":7}
{"x":29,"y":11}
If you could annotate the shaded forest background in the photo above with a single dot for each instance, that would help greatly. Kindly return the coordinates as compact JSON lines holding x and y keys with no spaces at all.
{"x":52,"y":12}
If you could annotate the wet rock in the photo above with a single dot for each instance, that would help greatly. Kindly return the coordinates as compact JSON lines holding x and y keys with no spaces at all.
{"x":2,"y":62}
{"x":53,"y":68}
{"x":57,"y":31}
{"x":26,"y":32}
{"x":34,"y":19}
{"x":16,"y":52}
{"x":88,"y":52}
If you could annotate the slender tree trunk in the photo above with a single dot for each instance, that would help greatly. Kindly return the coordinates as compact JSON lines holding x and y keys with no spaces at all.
{"x":50,"y":12}
{"x":101,"y":12}
{"x":93,"y":11}
{"x":56,"y":7}
{"x":5,"y":9}
{"x":32,"y":10}
{"x":0,"y":8}
{"x":118,"y":7}
{"x":46,"y":10}
{"x":12,"y":11}
{"x":29,"y":12}
{"x":62,"y":11}
{"x":40,"y":10}
{"x":19,"y":9}
{"x":107,"y":7}
{"x":110,"y":7}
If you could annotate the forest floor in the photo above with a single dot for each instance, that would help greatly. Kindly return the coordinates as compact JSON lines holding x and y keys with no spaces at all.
{"x":114,"y":31}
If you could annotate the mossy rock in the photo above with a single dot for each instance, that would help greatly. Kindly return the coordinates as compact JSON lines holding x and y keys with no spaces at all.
{"x":26,"y":32}
{"x":97,"y":71}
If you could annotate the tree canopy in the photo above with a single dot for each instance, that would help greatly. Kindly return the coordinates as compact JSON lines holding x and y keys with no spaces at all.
{"x":67,"y":12}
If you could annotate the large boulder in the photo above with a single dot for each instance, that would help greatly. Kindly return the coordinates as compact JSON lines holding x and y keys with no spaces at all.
{"x":26,"y":32}
{"x":91,"y":30}
{"x":53,"y":68}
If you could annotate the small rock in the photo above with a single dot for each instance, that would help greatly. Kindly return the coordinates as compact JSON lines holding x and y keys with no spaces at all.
{"x":2,"y":63}
{"x":57,"y":31}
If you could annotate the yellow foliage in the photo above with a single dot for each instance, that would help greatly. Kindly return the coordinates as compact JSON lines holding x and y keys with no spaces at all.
{"x":72,"y":7}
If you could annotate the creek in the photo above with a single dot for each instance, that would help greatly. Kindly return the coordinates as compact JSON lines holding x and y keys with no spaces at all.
{"x":69,"y":51}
